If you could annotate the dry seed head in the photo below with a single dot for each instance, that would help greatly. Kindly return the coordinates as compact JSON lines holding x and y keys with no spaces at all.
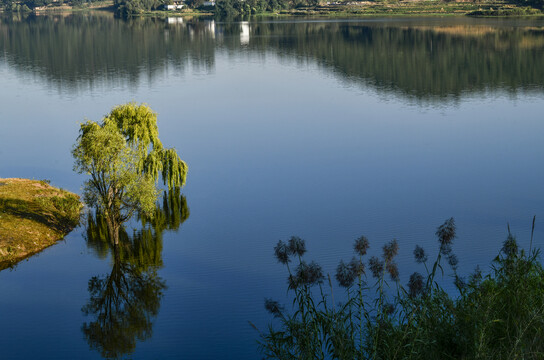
{"x":393,"y":271}
{"x":415,"y":284}
{"x":344,"y":275}
{"x":315,"y":274}
{"x":446,"y":249}
{"x":357,"y":267}
{"x":281,"y":251}
{"x":306,"y":274}
{"x":376,"y":266}
{"x":361,"y":245}
{"x":453,"y":261}
{"x":297,"y":246}
{"x":273,"y":307}
{"x":390,"y":250}
{"x":419,"y":254}
{"x":293,"y":282}
{"x":446,"y":232}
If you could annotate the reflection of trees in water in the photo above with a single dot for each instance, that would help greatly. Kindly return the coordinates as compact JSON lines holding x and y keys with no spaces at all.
{"x":143,"y":246}
{"x":425,"y":59}
{"x":124,"y":303}
{"x":426,"y":62}
{"x":78,"y":51}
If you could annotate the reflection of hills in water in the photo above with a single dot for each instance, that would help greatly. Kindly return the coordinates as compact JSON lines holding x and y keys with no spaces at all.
{"x":424,"y":58}
{"x":78,"y":51}
{"x":123,"y":304}
{"x":431,"y":61}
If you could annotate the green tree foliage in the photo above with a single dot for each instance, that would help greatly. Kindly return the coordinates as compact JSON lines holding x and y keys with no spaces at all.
{"x":125,"y":158}
{"x":22,"y":6}
{"x":125,"y":8}
{"x":538,"y":4}
{"x":194,"y":3}
{"x":231,"y":8}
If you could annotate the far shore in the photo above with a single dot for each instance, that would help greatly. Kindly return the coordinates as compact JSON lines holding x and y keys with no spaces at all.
{"x":496,"y":8}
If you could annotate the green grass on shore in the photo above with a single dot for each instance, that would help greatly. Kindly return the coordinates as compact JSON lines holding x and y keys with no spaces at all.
{"x":33,"y":216}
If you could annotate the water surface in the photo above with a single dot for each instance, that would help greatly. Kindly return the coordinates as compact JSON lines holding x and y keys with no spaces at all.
{"x":323,"y":129}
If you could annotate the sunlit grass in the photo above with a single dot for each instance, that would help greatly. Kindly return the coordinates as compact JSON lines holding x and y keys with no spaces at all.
{"x":33,"y":215}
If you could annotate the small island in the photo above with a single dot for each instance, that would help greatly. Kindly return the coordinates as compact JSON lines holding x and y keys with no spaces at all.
{"x":33,"y":216}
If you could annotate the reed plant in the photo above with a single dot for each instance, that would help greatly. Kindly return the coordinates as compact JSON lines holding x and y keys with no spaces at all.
{"x":499,"y":315}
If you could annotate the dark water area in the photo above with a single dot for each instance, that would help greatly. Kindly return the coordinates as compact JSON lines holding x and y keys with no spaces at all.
{"x":323,"y":129}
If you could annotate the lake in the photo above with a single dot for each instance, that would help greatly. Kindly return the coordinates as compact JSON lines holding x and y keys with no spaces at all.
{"x":328,"y":130}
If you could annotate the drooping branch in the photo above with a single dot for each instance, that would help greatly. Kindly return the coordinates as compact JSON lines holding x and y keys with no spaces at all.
{"x":138,"y":124}
{"x":174,"y":170}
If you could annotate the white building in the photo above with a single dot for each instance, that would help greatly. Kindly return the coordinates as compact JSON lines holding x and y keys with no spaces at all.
{"x":176,"y":5}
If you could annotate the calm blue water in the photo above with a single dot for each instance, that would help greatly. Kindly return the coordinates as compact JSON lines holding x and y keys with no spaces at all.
{"x":282,"y":138}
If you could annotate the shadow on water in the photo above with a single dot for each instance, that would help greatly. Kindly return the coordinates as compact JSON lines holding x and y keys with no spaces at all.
{"x":123,"y":304}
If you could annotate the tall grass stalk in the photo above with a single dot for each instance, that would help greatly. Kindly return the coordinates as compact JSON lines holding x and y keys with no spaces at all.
{"x":496,"y":316}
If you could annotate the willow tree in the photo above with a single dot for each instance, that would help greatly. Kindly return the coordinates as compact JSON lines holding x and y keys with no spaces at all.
{"x":125,"y":160}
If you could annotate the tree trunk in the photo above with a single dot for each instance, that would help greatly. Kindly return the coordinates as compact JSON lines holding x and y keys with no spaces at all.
{"x":113,"y":230}
{"x":116,"y":235}
{"x":116,"y":255}
{"x":112,"y":213}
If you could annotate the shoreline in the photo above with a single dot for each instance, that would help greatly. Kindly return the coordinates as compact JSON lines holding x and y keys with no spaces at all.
{"x":33,"y":216}
{"x":363,"y":9}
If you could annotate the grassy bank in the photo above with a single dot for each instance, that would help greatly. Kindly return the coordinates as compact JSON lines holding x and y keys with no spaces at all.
{"x":33,"y":216}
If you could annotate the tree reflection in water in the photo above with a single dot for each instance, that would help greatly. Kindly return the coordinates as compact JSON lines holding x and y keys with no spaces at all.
{"x":435,"y":60}
{"x":124,"y":303}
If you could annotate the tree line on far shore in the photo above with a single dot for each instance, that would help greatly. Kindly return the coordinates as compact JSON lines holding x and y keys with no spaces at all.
{"x":124,"y":8}
{"x":223,"y":8}
{"x":22,"y":6}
